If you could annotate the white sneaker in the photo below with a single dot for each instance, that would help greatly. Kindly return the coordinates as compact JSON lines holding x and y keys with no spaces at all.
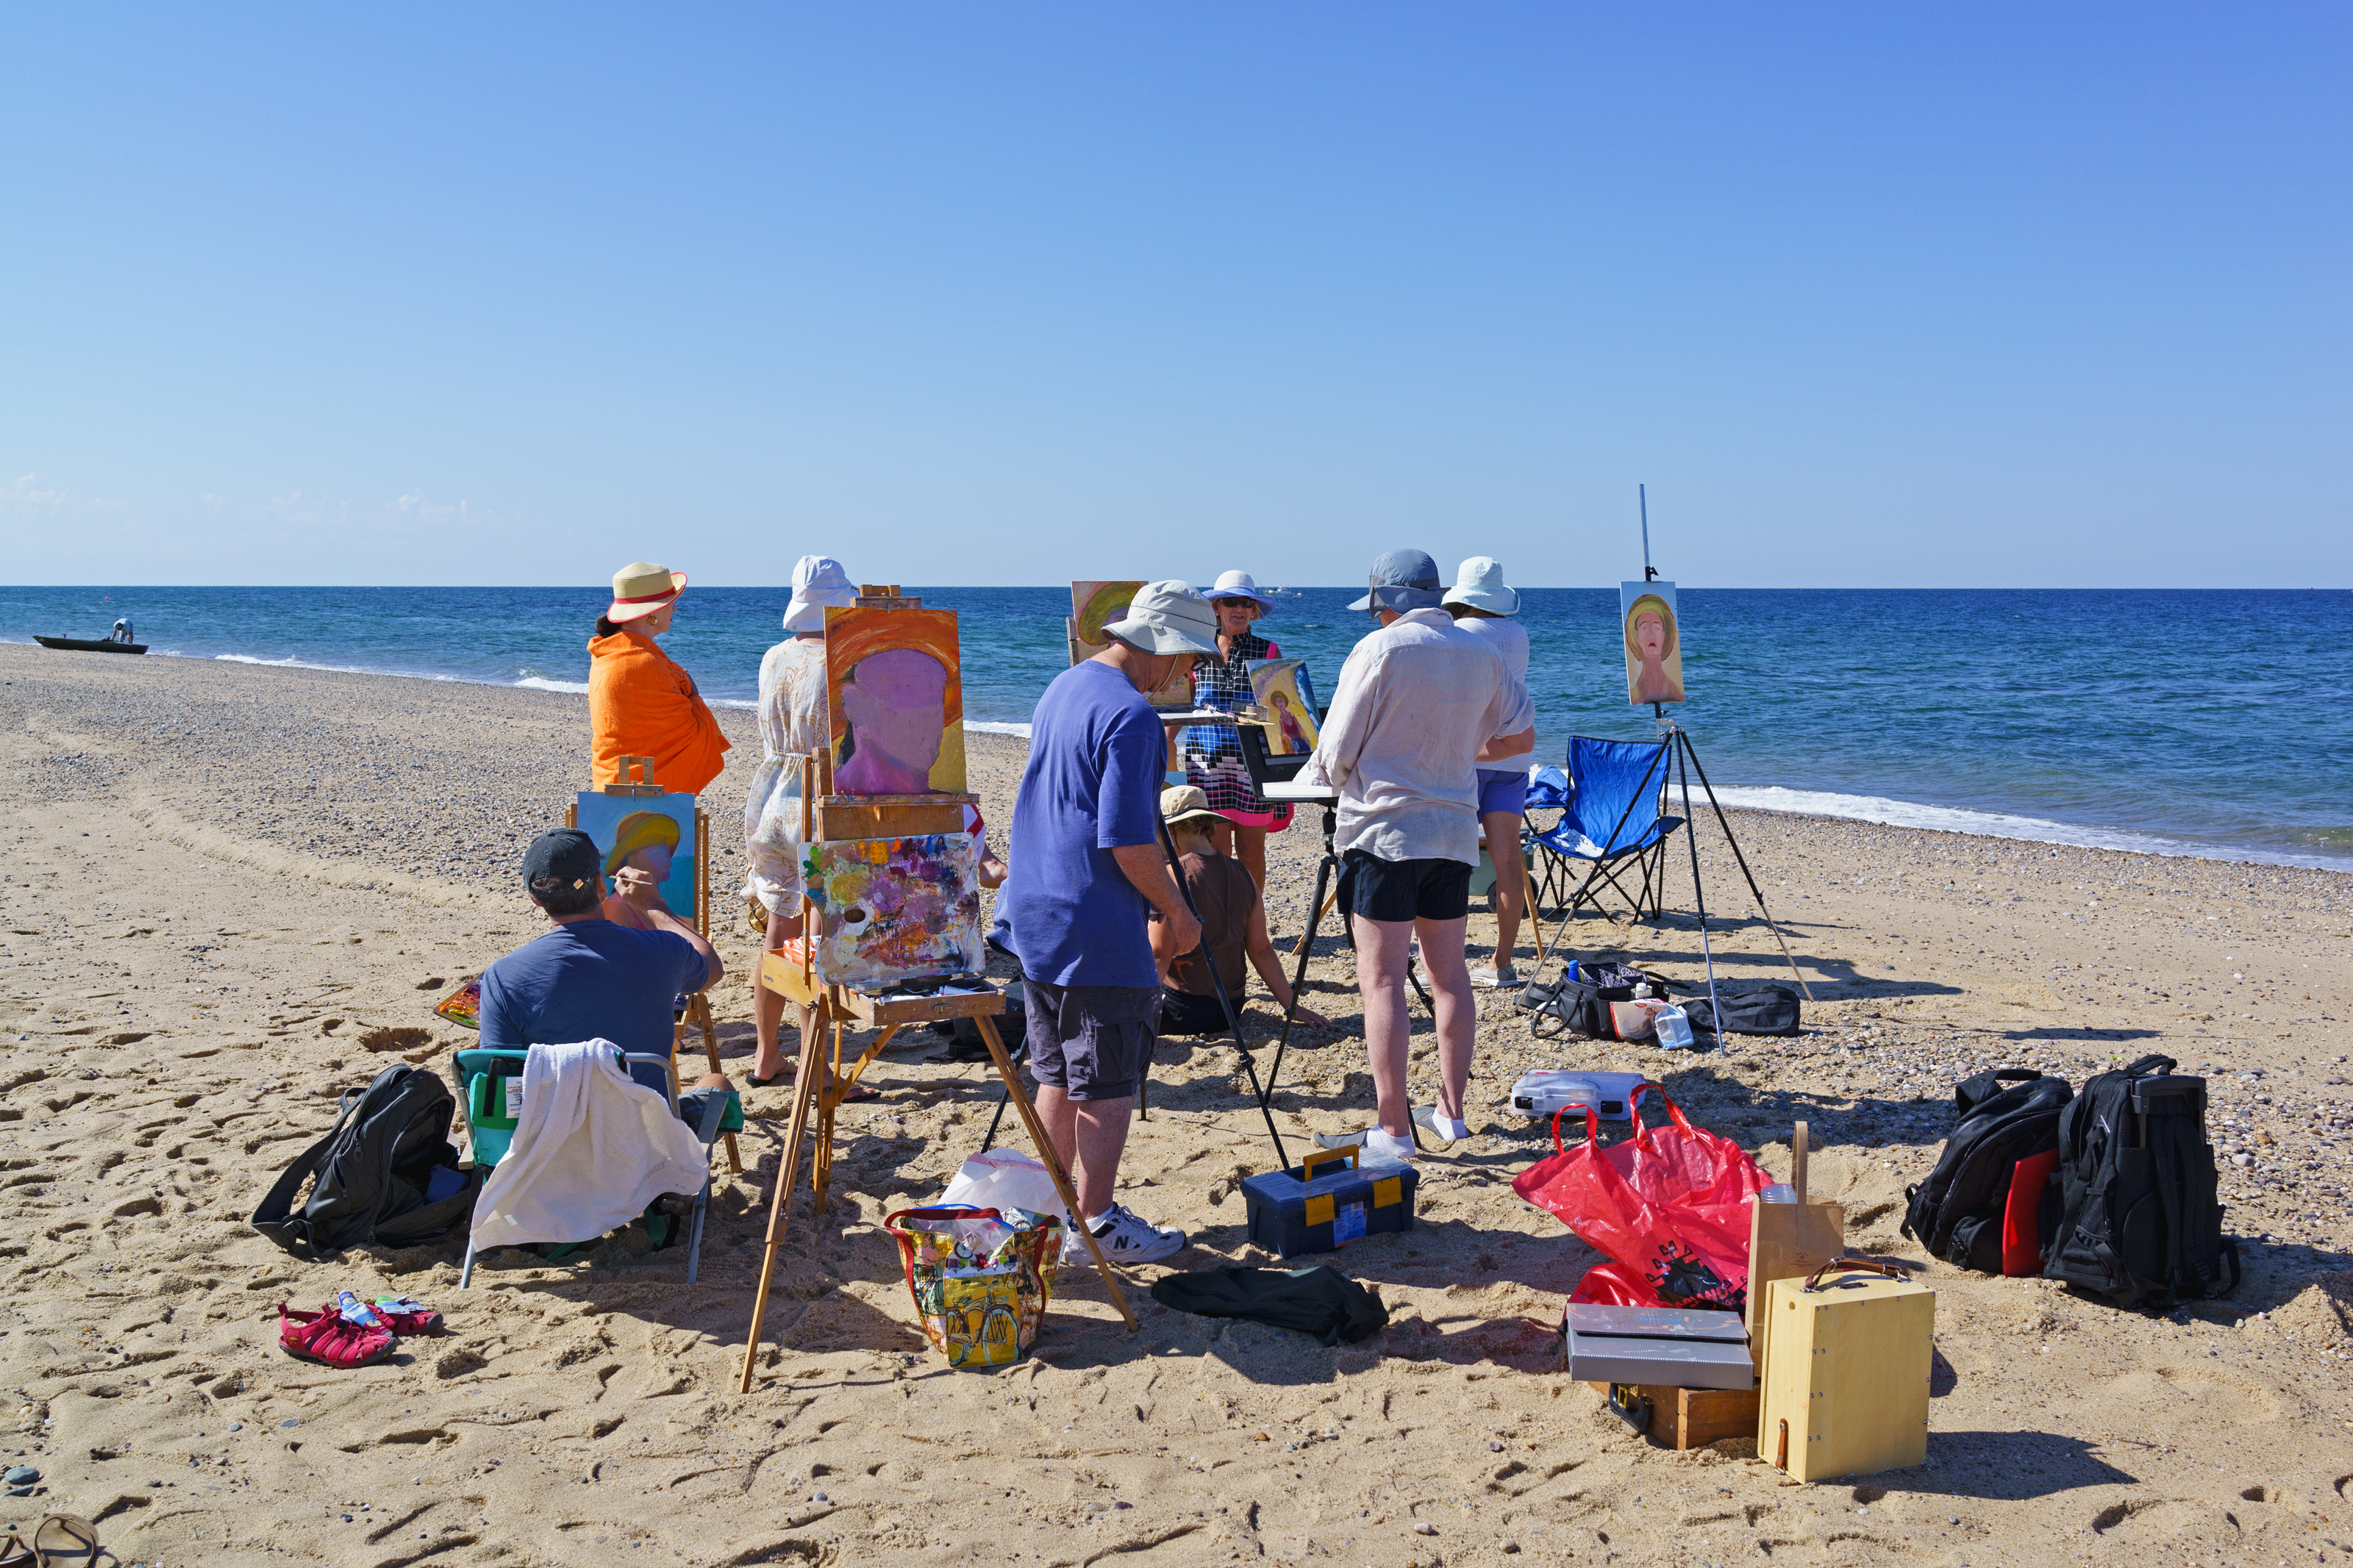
{"x":1126,"y":1237}
{"x":1495,"y":977}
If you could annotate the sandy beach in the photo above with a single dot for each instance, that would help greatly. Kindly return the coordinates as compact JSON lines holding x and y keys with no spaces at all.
{"x":220,"y":878}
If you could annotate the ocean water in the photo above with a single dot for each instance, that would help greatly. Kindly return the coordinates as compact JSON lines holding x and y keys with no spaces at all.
{"x":2217,"y":723}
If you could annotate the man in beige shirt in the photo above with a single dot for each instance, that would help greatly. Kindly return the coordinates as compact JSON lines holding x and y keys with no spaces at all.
{"x":1416,"y":702}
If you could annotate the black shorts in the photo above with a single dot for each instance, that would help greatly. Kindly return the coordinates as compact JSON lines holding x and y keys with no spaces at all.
{"x":1400,"y":891}
{"x":1182,"y":1013}
{"x":1092,"y":1042}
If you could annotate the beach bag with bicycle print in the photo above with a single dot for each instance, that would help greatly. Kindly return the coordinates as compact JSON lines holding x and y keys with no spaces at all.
{"x":980,"y":1277}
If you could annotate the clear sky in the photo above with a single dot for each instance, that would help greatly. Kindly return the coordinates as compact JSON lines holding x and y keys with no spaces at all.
{"x":1871,"y":295}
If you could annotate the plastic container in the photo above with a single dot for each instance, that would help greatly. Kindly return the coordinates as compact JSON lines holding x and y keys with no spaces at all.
{"x":1675,"y":1030}
{"x":1540,"y":1093}
{"x":1305,"y":1209}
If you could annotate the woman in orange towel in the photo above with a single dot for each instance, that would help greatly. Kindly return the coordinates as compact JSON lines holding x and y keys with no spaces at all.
{"x":641,"y":702}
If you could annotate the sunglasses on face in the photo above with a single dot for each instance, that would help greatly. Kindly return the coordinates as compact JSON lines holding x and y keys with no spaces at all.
{"x":1235,"y":603}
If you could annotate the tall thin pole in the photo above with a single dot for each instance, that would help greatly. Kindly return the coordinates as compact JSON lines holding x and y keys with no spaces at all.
{"x":1643,"y":494}
{"x":1699,"y":899}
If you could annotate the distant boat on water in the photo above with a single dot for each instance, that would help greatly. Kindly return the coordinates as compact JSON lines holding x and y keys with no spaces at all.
{"x":84,"y":645}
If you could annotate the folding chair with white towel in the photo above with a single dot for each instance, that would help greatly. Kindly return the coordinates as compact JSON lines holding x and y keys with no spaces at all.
{"x":591,"y":1149}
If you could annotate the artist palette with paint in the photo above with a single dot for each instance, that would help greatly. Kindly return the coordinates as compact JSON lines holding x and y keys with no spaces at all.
{"x":892,"y":910}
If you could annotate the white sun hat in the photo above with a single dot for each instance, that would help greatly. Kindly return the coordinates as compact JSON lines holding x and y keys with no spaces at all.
{"x":1480,"y":584}
{"x":1237,"y":585}
{"x":1167,"y":617}
{"x":820,"y":583}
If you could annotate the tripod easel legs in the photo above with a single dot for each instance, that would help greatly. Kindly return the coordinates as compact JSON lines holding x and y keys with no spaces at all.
{"x":698,"y":1016}
{"x":813,"y":1056}
{"x":803,"y":1096}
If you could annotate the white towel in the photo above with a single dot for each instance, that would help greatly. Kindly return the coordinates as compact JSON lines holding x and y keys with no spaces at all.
{"x":591,"y":1149}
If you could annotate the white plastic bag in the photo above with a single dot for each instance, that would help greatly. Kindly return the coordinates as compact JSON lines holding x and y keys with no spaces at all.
{"x":1004,"y":1178}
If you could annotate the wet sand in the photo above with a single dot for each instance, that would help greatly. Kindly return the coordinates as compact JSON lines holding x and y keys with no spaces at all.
{"x":220,"y":876}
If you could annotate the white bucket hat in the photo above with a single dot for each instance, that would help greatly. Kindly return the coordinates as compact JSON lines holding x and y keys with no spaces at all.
{"x":820,"y":584}
{"x":1237,"y":585}
{"x":640,"y":588}
{"x":1480,"y":584}
{"x":1167,"y":617}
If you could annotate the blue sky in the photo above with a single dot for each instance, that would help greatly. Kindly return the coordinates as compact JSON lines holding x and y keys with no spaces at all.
{"x":1919,"y":295}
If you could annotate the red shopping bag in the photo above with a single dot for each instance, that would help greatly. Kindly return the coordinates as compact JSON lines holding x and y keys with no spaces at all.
{"x":1668,"y":1207}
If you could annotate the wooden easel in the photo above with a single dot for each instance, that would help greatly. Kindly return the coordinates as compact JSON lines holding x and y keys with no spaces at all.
{"x":637,"y":777}
{"x":835,"y":1009}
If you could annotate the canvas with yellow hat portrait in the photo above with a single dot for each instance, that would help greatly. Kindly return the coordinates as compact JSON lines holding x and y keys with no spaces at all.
{"x":649,"y":833}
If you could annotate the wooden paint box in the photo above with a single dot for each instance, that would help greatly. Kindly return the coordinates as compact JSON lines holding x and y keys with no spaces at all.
{"x":1846,"y":1372}
{"x":1685,"y":1418}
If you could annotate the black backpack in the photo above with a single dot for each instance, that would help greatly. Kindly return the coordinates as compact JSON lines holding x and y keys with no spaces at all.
{"x":1998,"y":1119}
{"x":1767,"y":1010}
{"x":373,"y":1170}
{"x":2140,"y":1219}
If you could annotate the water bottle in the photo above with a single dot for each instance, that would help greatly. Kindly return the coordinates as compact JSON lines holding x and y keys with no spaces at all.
{"x":1674,"y":1028}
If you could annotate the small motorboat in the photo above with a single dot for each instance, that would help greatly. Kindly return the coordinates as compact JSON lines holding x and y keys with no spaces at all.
{"x":85,"y":645}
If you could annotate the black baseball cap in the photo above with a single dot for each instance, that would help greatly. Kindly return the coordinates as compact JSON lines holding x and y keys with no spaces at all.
{"x":559,"y":858}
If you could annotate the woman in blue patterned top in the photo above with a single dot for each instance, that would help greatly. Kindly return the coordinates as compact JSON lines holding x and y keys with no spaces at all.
{"x":1212,"y":755}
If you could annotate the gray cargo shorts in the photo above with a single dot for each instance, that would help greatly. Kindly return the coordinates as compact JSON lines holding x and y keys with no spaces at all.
{"x":1092,"y":1042}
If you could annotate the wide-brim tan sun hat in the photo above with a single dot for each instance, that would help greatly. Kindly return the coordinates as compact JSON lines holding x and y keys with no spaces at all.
{"x":640,"y":588}
{"x":1480,"y":584}
{"x":1184,"y":803}
{"x":1167,"y":617}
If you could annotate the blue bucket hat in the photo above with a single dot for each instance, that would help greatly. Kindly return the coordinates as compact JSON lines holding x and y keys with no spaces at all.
{"x":1401,"y":580}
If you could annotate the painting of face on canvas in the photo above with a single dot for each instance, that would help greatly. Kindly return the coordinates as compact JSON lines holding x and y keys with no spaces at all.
{"x":1655,"y":642}
{"x":1094,"y":605}
{"x":1283,"y":689}
{"x":649,"y":833}
{"x":895,"y":689}
{"x":894,"y":909}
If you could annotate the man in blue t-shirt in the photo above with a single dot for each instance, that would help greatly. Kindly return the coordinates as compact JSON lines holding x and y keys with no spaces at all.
{"x":1086,"y":865}
{"x":609,"y":970}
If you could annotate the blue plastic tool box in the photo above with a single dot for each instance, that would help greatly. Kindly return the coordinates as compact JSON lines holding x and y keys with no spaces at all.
{"x":1325,"y":1202}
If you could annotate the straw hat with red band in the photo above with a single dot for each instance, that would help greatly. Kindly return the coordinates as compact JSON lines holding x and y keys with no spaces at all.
{"x":640,"y":588}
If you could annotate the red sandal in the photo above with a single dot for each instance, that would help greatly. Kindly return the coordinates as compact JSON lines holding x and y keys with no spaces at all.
{"x":406,"y":1315}
{"x":325,"y":1337}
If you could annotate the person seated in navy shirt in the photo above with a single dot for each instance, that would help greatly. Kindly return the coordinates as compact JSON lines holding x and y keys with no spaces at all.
{"x":612,"y":967}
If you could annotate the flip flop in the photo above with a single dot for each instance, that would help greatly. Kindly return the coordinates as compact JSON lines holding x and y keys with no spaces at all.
{"x":859,"y":1093}
{"x":64,"y":1540}
{"x":15,"y":1553}
{"x":771,"y":1080}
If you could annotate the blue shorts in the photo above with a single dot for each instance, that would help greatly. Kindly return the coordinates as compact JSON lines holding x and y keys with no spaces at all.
{"x":1502,"y":789}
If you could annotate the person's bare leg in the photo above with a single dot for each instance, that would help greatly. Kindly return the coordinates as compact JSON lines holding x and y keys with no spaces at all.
{"x":1457,"y":1007}
{"x":1380,"y":983}
{"x":1090,"y":1135}
{"x":1249,"y":848}
{"x":1511,"y":880}
{"x":768,"y":1007}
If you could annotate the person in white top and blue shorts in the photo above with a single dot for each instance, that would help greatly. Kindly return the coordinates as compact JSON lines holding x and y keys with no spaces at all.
{"x":1482,"y":605}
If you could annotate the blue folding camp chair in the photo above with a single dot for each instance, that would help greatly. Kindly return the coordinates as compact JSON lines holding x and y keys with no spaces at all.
{"x":486,"y":1073}
{"x":1609,"y":805}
